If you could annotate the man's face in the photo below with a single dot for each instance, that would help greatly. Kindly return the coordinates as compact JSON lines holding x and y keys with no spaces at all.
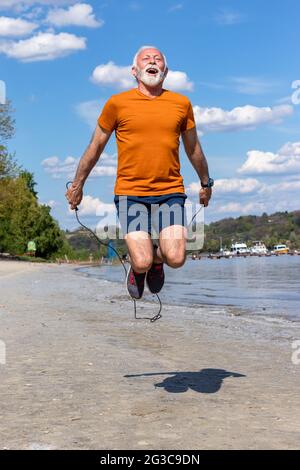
{"x":151,"y":68}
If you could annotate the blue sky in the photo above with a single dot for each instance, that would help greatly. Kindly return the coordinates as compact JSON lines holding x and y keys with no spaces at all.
{"x":235,"y":60}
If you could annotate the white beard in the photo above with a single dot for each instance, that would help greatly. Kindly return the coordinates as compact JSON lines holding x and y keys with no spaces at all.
{"x":148,"y":79}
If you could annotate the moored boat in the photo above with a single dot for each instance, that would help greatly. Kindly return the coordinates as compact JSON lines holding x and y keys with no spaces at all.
{"x":239,"y":249}
{"x":280,"y":249}
{"x":258,"y":248}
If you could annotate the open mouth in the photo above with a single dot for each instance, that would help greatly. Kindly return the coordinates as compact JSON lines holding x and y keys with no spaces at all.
{"x":152,"y":71}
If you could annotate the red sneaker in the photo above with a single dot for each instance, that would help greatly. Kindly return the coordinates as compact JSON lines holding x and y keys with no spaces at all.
{"x":135,"y":283}
{"x":155,"y":278}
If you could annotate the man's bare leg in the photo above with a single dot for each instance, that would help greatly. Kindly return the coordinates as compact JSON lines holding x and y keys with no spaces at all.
{"x":172,"y":246}
{"x":171,"y":250}
{"x":140,"y":249}
{"x":144,"y":258}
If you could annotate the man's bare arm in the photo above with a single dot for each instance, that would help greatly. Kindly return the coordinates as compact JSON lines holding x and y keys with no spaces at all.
{"x":195,"y":154}
{"x":92,"y":154}
{"x":86,"y":164}
{"x":197,"y":158}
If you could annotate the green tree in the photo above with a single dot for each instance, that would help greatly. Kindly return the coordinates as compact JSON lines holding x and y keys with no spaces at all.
{"x":8,"y":166}
{"x":23,"y":219}
{"x":48,"y":236}
{"x":7,"y":123}
{"x":29,"y":180}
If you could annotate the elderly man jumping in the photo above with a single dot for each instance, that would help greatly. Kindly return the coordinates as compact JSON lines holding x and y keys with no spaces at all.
{"x":148,"y":122}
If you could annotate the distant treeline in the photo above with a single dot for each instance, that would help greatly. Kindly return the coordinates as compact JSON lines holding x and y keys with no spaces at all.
{"x":82,"y":241}
{"x":281,"y":227}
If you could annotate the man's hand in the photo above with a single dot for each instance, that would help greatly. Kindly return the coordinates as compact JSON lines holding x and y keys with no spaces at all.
{"x":204,"y":196}
{"x":74,"y":195}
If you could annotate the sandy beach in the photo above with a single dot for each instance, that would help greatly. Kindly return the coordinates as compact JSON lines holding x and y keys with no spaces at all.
{"x":81,"y":373}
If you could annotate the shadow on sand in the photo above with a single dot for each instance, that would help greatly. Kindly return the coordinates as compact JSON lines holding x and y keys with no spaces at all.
{"x":204,"y":381}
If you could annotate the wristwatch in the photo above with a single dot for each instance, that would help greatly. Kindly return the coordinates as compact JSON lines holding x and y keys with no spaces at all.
{"x":209,"y":184}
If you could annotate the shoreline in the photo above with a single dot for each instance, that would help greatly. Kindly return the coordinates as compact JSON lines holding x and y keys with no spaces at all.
{"x":81,"y":373}
{"x":239,"y":311}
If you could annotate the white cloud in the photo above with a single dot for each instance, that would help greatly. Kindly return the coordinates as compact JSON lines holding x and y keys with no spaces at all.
{"x":242,"y":208}
{"x":52,"y":203}
{"x":281,"y":196}
{"x":50,"y":162}
{"x":15,"y":27}
{"x":113,"y":75}
{"x":66,"y":168}
{"x":21,"y":4}
{"x":176,"y":81}
{"x":43,"y":46}
{"x":241,"y":196}
{"x":89,"y":111}
{"x":80,"y":14}
{"x":193,"y":189}
{"x":34,"y":13}
{"x":242,"y":186}
{"x":94,"y":206}
{"x":232,"y":186}
{"x":270,"y":198}
{"x":117,"y":76}
{"x":240,"y":118}
{"x":286,"y":161}
{"x":107,"y":159}
{"x":238,"y":196}
{"x":58,"y":169}
{"x":290,"y":148}
{"x":282,"y":186}
{"x":237,"y":186}
{"x":103,"y":171}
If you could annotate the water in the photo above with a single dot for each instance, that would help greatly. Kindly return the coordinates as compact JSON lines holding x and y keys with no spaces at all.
{"x":268,"y":286}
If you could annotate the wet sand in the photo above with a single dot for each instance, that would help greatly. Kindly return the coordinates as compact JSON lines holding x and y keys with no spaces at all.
{"x":81,"y":373}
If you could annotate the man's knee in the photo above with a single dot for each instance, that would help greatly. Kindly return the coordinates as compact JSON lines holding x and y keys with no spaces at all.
{"x":175,"y":259}
{"x":140,"y":250}
{"x":141,"y":263}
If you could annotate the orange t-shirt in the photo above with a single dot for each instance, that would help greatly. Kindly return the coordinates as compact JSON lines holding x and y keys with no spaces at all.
{"x":147,"y":132}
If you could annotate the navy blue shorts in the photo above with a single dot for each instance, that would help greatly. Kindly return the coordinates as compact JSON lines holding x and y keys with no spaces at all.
{"x":150,"y":213}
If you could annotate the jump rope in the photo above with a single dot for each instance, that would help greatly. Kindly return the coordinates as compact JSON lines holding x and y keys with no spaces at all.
{"x":158,"y":315}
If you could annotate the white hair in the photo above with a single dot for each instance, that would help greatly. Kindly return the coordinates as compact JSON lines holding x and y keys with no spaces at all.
{"x":134,"y":63}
